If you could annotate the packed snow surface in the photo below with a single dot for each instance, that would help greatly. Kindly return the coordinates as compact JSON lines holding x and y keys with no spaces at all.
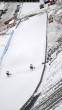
{"x":28,"y":8}
{"x":27,"y":47}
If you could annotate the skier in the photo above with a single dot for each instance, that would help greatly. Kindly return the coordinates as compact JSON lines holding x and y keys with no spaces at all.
{"x":31,"y":66}
{"x":8,"y":73}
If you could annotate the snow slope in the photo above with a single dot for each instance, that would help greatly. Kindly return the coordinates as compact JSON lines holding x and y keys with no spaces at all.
{"x":27,"y":47}
{"x":29,"y":8}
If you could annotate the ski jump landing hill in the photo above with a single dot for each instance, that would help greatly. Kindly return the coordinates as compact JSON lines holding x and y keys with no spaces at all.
{"x":27,"y":47}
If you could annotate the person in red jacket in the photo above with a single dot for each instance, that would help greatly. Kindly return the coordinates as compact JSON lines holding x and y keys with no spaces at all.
{"x":52,"y":2}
